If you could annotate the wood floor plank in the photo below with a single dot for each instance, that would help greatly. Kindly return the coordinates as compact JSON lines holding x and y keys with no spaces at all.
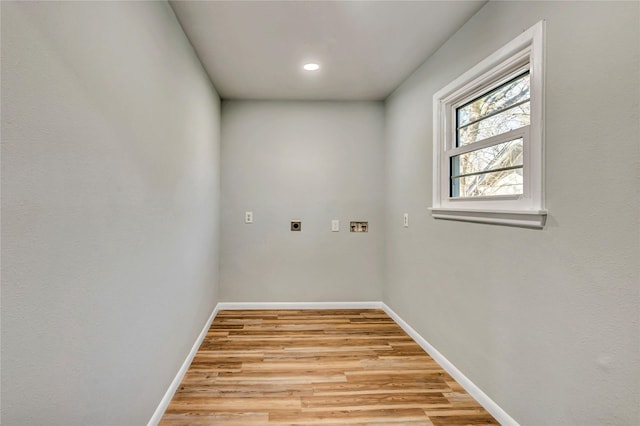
{"x":316,"y":367}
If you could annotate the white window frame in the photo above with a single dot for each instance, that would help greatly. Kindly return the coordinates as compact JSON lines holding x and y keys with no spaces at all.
{"x":525,"y":52}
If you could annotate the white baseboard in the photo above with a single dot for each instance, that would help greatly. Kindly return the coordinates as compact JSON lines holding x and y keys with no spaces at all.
{"x":166,"y":399}
{"x":299,"y":305}
{"x":494,"y":409}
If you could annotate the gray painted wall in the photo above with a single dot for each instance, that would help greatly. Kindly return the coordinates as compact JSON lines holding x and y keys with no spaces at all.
{"x":110,"y":199}
{"x":313,"y":161}
{"x":545,"y":322}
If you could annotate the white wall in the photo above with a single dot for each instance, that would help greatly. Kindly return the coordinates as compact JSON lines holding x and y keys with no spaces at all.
{"x":313,"y":161}
{"x":110,"y":199}
{"x":545,"y":322}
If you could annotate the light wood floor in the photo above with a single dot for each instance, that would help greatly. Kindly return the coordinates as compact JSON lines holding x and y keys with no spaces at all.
{"x":316,"y":367}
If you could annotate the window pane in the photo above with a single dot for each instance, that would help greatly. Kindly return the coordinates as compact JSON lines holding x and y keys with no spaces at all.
{"x":511,"y":119}
{"x":495,"y":170}
{"x":503,"y":97}
{"x":499,"y":156}
{"x":504,"y":182}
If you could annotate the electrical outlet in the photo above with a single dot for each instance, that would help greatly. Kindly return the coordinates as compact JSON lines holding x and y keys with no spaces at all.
{"x":335,"y":225}
{"x":248,"y":217}
{"x":405,"y":220}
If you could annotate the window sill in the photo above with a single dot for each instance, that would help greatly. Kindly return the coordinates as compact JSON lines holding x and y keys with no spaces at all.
{"x":525,"y":219}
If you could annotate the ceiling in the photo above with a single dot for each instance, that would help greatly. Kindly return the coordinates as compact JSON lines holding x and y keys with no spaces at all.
{"x":366,"y":49}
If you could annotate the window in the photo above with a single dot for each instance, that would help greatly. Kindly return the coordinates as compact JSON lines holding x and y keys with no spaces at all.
{"x":488,"y":139}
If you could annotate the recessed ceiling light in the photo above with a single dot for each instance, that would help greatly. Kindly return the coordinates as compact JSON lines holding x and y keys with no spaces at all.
{"x":311,"y":67}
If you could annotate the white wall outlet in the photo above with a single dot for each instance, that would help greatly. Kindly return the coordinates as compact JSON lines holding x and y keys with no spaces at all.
{"x":248,"y":217}
{"x":335,"y":225}
{"x":405,"y":220}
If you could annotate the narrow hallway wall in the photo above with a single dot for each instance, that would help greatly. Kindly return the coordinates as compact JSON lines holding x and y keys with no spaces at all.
{"x":110,"y":199}
{"x":544,"y":321}
{"x":313,"y":161}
